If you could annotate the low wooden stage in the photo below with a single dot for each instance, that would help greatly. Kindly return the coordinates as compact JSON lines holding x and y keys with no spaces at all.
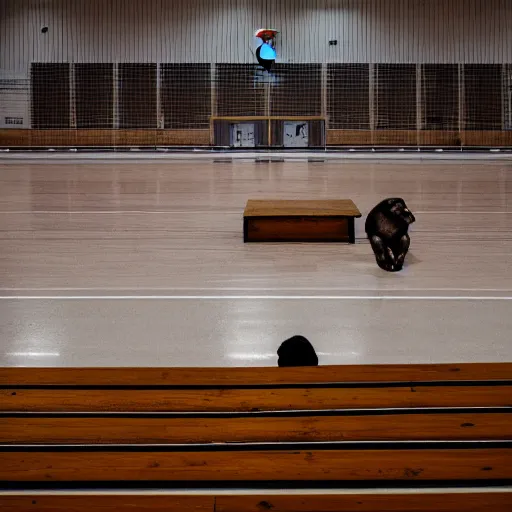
{"x":300,"y":221}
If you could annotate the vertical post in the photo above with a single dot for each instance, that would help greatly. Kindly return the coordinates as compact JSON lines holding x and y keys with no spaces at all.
{"x":267,"y":114}
{"x":371,"y":100}
{"x":504,"y":96}
{"x":324,"y":92}
{"x":29,"y":101}
{"x":160,"y":123}
{"x":115,"y":103}
{"x":508,"y":95}
{"x":72,"y":96}
{"x":419,"y":104}
{"x":213,"y":102}
{"x":324,"y":102}
{"x":461,"y":104}
{"x":115,"y":93}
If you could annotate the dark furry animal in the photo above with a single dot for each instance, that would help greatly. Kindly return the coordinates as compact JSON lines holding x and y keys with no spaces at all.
{"x":297,"y":351}
{"x":386,"y":226}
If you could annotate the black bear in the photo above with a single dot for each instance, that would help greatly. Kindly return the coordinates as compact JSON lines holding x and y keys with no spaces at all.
{"x":296,"y":351}
{"x":386,"y":226}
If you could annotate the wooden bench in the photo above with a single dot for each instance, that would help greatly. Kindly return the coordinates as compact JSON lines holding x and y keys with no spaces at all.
{"x":300,"y":221}
{"x":275,"y":433}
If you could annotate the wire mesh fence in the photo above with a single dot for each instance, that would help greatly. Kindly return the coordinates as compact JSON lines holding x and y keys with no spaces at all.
{"x":153,"y":104}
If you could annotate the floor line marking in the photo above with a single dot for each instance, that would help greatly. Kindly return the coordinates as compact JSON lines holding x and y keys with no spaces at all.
{"x":105,"y":212}
{"x":255,"y":297}
{"x":207,"y":212}
{"x":246,"y":289}
{"x":373,"y":154}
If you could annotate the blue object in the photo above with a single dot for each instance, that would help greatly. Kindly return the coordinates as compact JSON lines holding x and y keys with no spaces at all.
{"x":267,"y":52}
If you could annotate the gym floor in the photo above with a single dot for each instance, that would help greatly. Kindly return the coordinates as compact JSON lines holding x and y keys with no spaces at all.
{"x":141,"y":262}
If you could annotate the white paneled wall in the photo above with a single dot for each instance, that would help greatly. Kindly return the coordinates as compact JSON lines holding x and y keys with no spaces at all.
{"x":221,"y":31}
{"x":437,"y":31}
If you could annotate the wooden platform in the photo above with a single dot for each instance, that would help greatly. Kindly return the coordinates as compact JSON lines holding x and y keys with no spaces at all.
{"x":300,"y":221}
{"x":278,"y":431}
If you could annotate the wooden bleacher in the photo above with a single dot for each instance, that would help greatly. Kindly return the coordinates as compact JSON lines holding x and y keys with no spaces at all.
{"x":311,"y":431}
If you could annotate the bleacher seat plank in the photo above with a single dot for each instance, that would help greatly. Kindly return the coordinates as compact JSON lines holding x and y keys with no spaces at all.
{"x":362,"y":426}
{"x":105,"y":503}
{"x":123,"y":429}
{"x":255,"y":399}
{"x":254,"y":376}
{"x":492,"y":500}
{"x":257,"y":464}
{"x":369,"y":502}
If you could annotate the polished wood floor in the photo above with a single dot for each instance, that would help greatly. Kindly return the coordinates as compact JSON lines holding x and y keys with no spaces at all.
{"x":143,"y":263}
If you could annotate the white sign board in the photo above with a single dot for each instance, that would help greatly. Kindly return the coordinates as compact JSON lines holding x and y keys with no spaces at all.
{"x":295,"y":134}
{"x":242,"y":135}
